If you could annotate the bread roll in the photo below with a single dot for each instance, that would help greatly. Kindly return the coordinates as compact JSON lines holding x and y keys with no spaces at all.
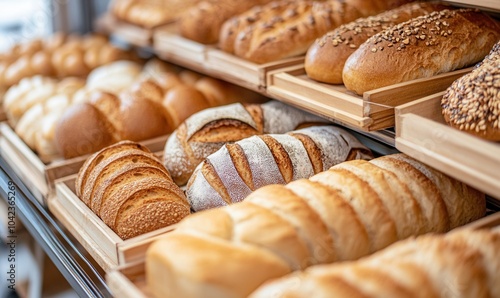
{"x":325,"y":58}
{"x":130,"y":190}
{"x":345,"y":213}
{"x":234,"y":171}
{"x":422,"y":47}
{"x":472,"y":103}
{"x":460,"y":264}
{"x":207,"y":131}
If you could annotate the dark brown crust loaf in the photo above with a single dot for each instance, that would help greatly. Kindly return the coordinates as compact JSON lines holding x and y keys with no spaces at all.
{"x":472,"y":103}
{"x":422,"y":47}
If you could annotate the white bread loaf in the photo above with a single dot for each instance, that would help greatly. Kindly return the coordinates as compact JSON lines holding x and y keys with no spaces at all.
{"x":130,"y":190}
{"x":207,"y":131}
{"x":234,"y":171}
{"x":325,"y":58}
{"x":461,"y":264}
{"x":420,"y":48}
{"x":345,"y":213}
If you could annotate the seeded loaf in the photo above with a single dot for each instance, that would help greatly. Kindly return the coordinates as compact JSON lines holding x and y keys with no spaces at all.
{"x":459,"y":264}
{"x":422,"y":47}
{"x":325,"y":58}
{"x":234,"y":171}
{"x":207,"y":131}
{"x":349,"y":211}
{"x":130,"y":190}
{"x":472,"y":103}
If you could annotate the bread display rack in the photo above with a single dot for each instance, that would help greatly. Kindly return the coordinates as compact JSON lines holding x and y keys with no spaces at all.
{"x":126,"y":32}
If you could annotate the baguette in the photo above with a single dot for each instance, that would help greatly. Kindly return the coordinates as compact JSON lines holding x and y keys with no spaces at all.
{"x":325,"y":58}
{"x":422,"y":47}
{"x":460,"y":264}
{"x":234,"y":171}
{"x":207,"y":131}
{"x":345,"y":213}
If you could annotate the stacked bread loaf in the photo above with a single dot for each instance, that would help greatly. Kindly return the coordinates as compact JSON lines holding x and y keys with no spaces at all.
{"x":130,"y":190}
{"x":472,"y":103}
{"x":325,"y":59}
{"x":207,"y":131}
{"x":234,"y":171}
{"x":461,"y":264}
{"x":421,"y":47}
{"x":287,"y":28}
{"x":353,"y":209}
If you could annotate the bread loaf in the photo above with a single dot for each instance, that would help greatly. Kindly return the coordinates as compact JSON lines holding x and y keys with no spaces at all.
{"x":422,"y":47}
{"x":130,"y":190}
{"x":460,"y":264}
{"x":472,"y":103}
{"x":234,"y":171}
{"x":325,"y":58}
{"x":203,"y":21}
{"x":353,"y":209}
{"x":284,"y":29}
{"x":207,"y":131}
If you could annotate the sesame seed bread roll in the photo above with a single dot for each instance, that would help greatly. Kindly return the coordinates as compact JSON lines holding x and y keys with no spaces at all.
{"x":420,"y":48}
{"x":472,"y":103}
{"x":325,"y":59}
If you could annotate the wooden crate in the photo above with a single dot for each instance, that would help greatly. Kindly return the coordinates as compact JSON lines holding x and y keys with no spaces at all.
{"x":422,"y":134}
{"x":372,"y":111}
{"x":38,"y":176}
{"x":130,"y":33}
{"x":102,"y":243}
{"x":129,"y":281}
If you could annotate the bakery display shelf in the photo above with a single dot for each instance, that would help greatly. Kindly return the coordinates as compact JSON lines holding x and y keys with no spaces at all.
{"x":491,"y":5}
{"x":39,"y":177}
{"x":422,"y":133}
{"x":85,"y":279}
{"x":129,"y":281}
{"x":102,"y":243}
{"x":372,"y":111}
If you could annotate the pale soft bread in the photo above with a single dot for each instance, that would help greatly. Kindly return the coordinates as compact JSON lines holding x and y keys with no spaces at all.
{"x":326,"y":57}
{"x":207,"y":131}
{"x":130,"y":190}
{"x":401,"y":54}
{"x":330,"y":221}
{"x":460,"y":264}
{"x":234,"y":171}
{"x":471,"y":103}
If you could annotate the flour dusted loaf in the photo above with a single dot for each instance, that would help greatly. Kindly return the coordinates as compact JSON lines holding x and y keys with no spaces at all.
{"x":353,"y":209}
{"x":234,"y":171}
{"x":460,"y":264}
{"x":472,"y":103}
{"x":422,"y":47}
{"x":207,"y":131}
{"x":130,"y":190}
{"x":325,"y":58}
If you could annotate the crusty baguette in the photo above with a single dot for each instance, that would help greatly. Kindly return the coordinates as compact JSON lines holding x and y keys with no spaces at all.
{"x":460,"y":264}
{"x":130,"y":190}
{"x":422,"y":47}
{"x":234,"y":171}
{"x":325,"y":58}
{"x":207,"y":131}
{"x":354,"y":211}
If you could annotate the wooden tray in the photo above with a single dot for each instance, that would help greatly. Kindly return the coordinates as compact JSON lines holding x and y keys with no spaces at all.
{"x":38,"y":176}
{"x":422,"y":134}
{"x":102,"y":243}
{"x":130,"y":33}
{"x":372,"y":111}
{"x":129,"y":281}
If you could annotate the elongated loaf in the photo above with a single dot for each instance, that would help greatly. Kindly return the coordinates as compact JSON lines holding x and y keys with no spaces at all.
{"x":207,"y":131}
{"x":462,"y":264}
{"x":130,"y":190}
{"x":325,"y":58}
{"x":422,"y":47}
{"x":353,"y":209}
{"x":234,"y":171}
{"x":284,"y":29}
